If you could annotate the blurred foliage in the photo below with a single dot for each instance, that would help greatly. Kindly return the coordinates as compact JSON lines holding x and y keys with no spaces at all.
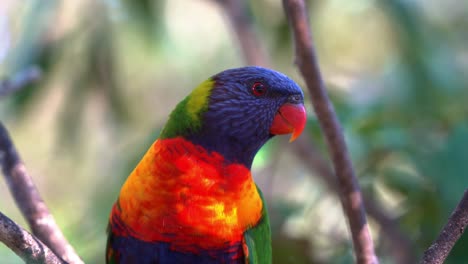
{"x":113,"y":70}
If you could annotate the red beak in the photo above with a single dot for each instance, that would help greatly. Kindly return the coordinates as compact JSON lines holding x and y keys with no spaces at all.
{"x":290,"y":118}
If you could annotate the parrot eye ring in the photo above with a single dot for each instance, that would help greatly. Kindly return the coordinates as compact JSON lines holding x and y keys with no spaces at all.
{"x":259,"y":89}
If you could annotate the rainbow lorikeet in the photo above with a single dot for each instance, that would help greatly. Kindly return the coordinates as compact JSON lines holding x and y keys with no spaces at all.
{"x":192,"y":199}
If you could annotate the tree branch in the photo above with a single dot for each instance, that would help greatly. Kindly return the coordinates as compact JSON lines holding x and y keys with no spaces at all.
{"x":452,"y":231}
{"x":28,"y":199}
{"x":241,"y":22}
{"x":350,"y":193}
{"x":400,"y":244}
{"x":19,"y":81}
{"x":305,"y":150}
{"x":25,"y":245}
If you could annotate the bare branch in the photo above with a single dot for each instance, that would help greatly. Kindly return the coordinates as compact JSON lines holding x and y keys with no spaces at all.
{"x":400,"y":244}
{"x":25,"y":245}
{"x":452,"y":231}
{"x":350,"y":193}
{"x":28,"y":199}
{"x":19,"y":81}
{"x":250,"y":45}
{"x":242,"y":24}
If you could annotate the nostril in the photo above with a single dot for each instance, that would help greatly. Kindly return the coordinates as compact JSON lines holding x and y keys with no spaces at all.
{"x":295,"y":99}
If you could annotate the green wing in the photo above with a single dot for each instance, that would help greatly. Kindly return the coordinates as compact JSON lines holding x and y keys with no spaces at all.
{"x":258,"y":239}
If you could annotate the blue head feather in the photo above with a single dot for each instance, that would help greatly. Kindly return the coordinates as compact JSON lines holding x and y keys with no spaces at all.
{"x":237,"y":122}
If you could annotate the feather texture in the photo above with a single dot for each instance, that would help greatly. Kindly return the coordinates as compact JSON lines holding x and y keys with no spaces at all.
{"x":165,"y":200}
{"x":192,"y":199}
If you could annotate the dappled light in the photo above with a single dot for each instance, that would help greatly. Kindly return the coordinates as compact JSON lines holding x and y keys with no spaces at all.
{"x":90,"y":84}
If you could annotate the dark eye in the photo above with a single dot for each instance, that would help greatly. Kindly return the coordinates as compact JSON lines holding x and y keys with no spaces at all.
{"x":259,"y":89}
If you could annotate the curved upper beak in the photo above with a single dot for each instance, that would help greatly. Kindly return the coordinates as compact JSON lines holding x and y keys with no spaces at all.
{"x":290,"y":118}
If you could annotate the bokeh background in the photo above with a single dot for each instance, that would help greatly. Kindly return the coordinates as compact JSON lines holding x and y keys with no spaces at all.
{"x":111,"y":72}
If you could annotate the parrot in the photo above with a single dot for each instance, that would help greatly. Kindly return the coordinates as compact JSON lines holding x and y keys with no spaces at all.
{"x":192,"y":198}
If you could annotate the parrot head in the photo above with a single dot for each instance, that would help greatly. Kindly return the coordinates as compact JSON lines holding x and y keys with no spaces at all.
{"x":236,"y":111}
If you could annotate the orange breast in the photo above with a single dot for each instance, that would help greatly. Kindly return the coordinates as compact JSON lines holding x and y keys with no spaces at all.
{"x":182,"y":194}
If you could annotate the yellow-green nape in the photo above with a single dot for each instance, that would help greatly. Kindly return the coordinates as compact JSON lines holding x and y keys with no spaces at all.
{"x":185,"y":118}
{"x":198,"y":99}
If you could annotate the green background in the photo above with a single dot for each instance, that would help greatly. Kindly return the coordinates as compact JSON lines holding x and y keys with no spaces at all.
{"x":396,"y":71}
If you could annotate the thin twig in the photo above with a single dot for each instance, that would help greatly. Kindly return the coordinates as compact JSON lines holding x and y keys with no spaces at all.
{"x":452,"y":231}
{"x":306,"y":151}
{"x":25,"y":245}
{"x":241,"y":22}
{"x":19,"y":81}
{"x":400,"y":244}
{"x":250,"y":45}
{"x":350,"y":193}
{"x":28,"y":199}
